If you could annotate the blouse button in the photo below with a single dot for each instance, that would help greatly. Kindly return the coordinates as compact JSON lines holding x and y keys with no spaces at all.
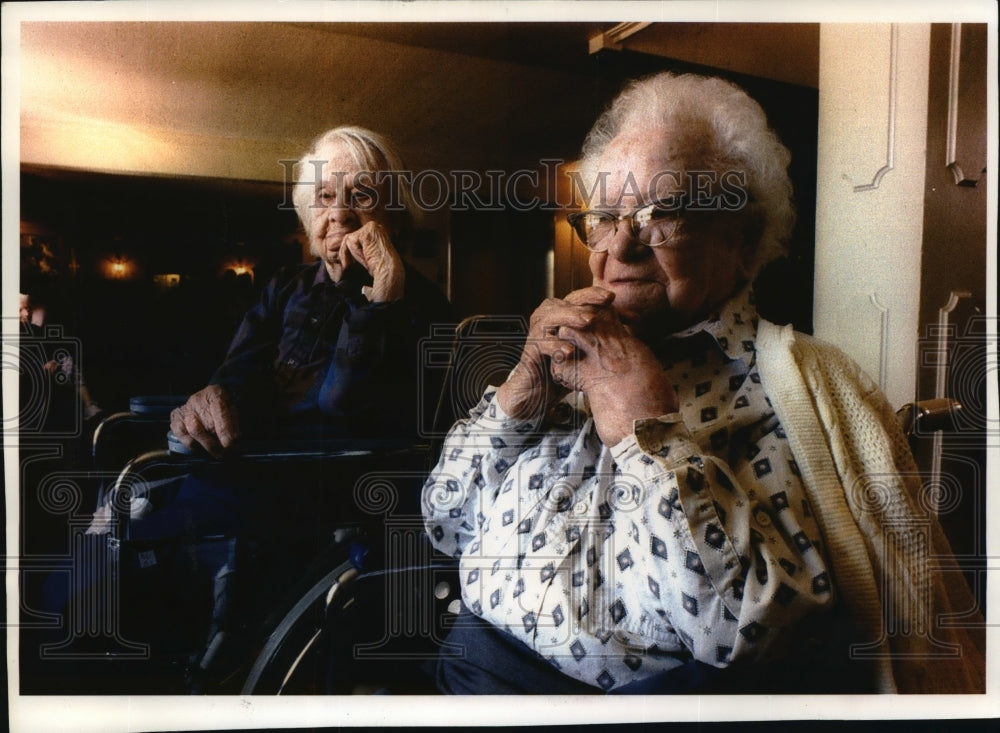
{"x":763,"y":518}
{"x":580,"y":508}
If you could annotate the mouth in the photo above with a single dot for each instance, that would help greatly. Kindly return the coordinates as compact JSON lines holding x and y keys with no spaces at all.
{"x":630,"y":281}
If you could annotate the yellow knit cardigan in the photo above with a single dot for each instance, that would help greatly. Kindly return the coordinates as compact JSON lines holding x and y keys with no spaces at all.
{"x":892,"y":564}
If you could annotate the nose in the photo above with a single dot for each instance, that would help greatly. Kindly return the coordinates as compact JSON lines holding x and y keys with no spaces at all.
{"x":341,"y":213}
{"x":625,"y":245}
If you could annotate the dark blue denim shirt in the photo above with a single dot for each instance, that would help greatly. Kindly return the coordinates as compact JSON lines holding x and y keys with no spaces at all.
{"x":312,"y":350}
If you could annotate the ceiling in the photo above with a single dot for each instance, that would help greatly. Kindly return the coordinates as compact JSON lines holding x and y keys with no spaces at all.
{"x":234,"y":99}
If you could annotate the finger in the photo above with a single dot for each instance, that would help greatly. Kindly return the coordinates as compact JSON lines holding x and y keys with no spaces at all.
{"x":198,"y":424}
{"x":580,"y":338}
{"x":178,"y":428}
{"x":565,"y":373}
{"x":562,"y":354}
{"x":344,"y":256}
{"x":376,"y":234}
{"x":353,"y":248}
{"x":206,"y":439}
{"x":223,"y":419}
{"x":201,"y":432}
{"x":557,"y":349}
{"x":377,"y":249}
{"x":593,"y":295}
{"x":533,"y":366}
{"x":555,"y":315}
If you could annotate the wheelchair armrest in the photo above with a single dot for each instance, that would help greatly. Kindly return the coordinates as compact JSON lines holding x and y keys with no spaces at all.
{"x":122,"y":435}
{"x":155,"y":405}
{"x":294,"y":448}
{"x":300,"y":445}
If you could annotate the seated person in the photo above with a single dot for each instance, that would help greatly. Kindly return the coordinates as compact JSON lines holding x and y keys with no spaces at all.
{"x":334,"y":342}
{"x":669,"y":494}
{"x":331,"y":347}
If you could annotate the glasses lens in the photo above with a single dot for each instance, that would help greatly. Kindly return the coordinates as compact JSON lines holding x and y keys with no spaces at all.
{"x":653,"y":224}
{"x":593,"y":228}
{"x":657,"y":223}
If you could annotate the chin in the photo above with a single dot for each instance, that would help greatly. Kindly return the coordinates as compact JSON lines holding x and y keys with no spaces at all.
{"x":647,"y":320}
{"x":637,"y":319}
{"x":631,"y":304}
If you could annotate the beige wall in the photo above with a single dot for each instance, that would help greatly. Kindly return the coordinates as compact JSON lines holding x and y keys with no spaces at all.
{"x":870,"y":188}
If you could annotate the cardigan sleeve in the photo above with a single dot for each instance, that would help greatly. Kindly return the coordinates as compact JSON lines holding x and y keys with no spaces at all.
{"x":888,"y":551}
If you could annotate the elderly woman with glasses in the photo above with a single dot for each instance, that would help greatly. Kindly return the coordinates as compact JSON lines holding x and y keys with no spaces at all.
{"x":669,"y":494}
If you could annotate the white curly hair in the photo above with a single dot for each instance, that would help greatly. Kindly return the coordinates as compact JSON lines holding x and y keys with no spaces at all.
{"x":742,"y":141}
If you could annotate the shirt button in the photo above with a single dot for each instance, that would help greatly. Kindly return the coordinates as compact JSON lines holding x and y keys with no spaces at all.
{"x":763,"y":518}
{"x":580,"y":508}
{"x":291,"y":362}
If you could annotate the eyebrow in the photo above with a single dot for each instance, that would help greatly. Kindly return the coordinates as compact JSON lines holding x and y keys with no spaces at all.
{"x":669,"y":198}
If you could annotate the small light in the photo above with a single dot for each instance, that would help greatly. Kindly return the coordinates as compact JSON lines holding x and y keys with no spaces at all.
{"x":240,"y":267}
{"x":118,"y":268}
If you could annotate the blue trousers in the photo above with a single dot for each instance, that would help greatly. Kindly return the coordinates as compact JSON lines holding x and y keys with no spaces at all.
{"x":479,"y":659}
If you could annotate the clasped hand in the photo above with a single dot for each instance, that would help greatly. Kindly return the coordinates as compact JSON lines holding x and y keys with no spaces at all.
{"x":580,"y":343}
{"x":371,"y":247}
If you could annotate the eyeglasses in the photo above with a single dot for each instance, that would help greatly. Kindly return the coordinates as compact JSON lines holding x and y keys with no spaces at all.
{"x":654,"y":224}
{"x":358,"y":200}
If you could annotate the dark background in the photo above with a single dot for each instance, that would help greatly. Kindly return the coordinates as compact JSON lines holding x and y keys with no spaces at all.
{"x":138,"y":337}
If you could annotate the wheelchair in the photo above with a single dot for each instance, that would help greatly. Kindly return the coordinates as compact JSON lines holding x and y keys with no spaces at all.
{"x":371,"y":611}
{"x":365,"y":613}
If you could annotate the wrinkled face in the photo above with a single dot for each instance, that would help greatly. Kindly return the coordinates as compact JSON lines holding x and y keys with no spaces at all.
{"x":346,"y":200}
{"x":704,"y":260}
{"x":24,"y":310}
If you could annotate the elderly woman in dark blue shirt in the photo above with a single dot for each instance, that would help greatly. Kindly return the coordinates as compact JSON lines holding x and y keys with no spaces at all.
{"x":332,"y":347}
{"x":332,"y":343}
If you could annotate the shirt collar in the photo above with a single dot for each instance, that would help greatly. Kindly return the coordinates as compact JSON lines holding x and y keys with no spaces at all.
{"x":348,"y":287}
{"x":733,"y":326}
{"x":322,"y":275}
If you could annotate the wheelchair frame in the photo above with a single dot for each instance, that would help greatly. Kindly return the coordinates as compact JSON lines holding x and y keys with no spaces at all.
{"x":480,"y":350}
{"x":299,"y":637}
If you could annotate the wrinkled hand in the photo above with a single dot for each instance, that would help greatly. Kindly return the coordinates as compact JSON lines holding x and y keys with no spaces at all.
{"x":530,"y":390}
{"x":371,"y":247}
{"x":209,"y":419}
{"x":619,"y":373}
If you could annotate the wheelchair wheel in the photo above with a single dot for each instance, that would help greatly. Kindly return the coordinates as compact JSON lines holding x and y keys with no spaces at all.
{"x":296,"y":636}
{"x":354,"y":633}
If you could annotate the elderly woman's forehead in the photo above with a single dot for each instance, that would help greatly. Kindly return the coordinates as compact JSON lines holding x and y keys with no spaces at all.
{"x":337,"y":159}
{"x":680,"y":140}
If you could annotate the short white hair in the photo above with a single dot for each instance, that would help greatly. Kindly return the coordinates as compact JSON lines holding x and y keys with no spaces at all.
{"x":742,"y":140}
